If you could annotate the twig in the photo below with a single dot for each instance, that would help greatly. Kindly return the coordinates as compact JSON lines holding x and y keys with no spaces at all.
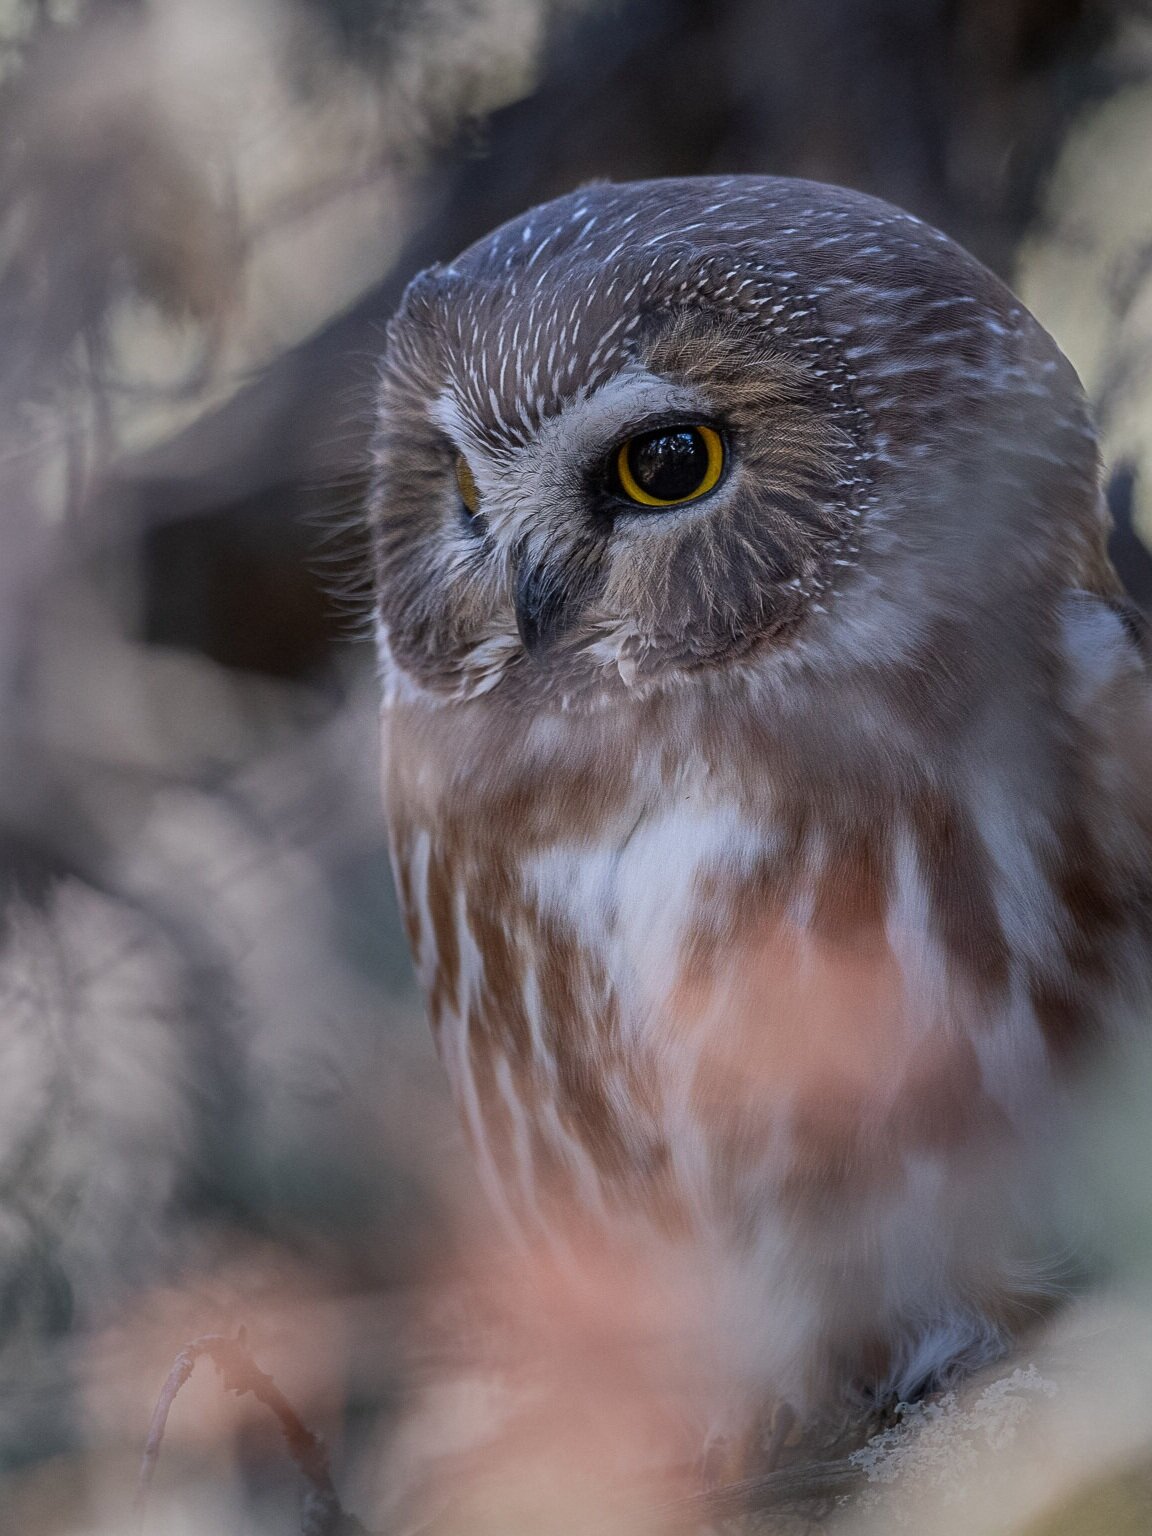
{"x":322,"y":1514}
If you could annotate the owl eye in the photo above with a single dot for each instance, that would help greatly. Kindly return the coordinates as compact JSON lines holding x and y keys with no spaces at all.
{"x":670,"y":465}
{"x":466,"y":485}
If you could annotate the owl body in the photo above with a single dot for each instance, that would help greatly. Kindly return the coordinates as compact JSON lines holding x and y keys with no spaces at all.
{"x":775,"y":857}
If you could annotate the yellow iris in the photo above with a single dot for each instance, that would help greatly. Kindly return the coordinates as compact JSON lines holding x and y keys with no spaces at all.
{"x":466,"y":485}
{"x":670,"y":466}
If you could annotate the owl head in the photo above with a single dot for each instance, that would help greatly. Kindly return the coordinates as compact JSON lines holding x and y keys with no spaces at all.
{"x":674,"y":430}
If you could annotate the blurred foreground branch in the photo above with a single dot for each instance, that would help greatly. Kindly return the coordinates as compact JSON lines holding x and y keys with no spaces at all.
{"x":322,"y":1513}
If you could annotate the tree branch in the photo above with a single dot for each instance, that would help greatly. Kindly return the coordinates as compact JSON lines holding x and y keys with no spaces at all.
{"x":322,"y":1513}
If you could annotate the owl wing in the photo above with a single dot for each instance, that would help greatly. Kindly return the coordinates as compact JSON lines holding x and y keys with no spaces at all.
{"x":1108,"y":656}
{"x":1107,"y":646}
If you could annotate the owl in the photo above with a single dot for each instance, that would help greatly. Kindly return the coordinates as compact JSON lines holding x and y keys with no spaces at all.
{"x":765,"y":754}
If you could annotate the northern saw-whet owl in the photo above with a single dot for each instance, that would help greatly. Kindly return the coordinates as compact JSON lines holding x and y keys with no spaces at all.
{"x":766,"y":753}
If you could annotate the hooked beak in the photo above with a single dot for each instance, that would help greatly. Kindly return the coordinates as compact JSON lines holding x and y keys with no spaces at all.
{"x":541,"y":607}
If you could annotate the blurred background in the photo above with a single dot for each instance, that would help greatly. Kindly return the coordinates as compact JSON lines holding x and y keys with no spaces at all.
{"x":218,"y":1105}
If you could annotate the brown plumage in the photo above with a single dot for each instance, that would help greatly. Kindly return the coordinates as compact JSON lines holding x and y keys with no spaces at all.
{"x":773,"y":861}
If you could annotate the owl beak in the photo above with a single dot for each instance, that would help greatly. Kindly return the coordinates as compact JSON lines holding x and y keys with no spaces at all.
{"x":541,"y":605}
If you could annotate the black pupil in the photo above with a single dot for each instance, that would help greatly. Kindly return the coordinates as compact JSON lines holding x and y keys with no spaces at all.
{"x":668,"y":465}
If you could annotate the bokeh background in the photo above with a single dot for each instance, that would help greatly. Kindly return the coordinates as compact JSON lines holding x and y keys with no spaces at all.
{"x":218,"y":1106}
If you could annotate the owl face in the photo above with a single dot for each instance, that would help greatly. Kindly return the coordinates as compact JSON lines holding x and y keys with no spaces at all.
{"x":660,"y":432}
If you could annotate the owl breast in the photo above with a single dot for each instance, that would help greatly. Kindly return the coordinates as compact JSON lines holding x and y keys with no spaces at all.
{"x":796,"y":1040}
